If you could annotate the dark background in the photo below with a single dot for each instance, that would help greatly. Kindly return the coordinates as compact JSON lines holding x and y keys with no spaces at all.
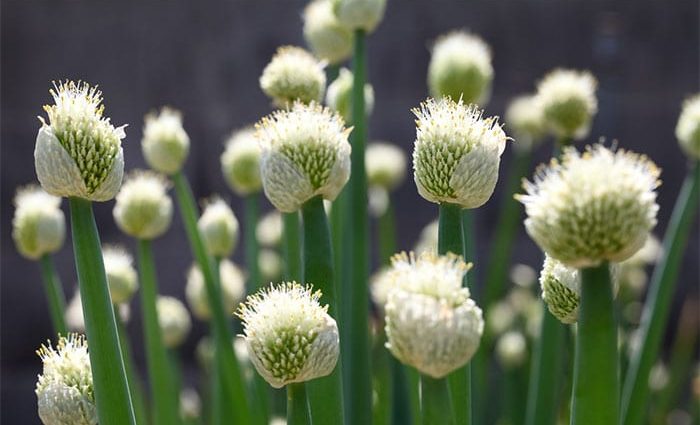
{"x":205,"y":57}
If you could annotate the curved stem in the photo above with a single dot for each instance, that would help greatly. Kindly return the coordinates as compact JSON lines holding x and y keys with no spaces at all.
{"x":54,"y":294}
{"x":435,"y":401}
{"x":109,"y":378}
{"x":251,"y":242}
{"x":297,"y":406}
{"x":292,"y":246}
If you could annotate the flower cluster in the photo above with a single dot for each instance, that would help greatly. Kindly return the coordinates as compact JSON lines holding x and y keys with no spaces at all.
{"x":38,"y":226}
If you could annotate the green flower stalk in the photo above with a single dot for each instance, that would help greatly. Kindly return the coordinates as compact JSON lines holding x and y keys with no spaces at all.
{"x":78,"y":155}
{"x":174,"y":321}
{"x":293,"y":75}
{"x":38,"y":230}
{"x":232,"y":289}
{"x":327,"y":38}
{"x":339,"y":95}
{"x":219,"y":228}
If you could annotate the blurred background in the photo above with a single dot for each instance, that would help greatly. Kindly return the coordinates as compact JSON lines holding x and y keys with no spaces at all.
{"x":205,"y":58}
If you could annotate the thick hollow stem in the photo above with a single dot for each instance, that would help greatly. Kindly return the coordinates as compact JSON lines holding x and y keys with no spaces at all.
{"x":659,"y":298}
{"x":297,"y":405}
{"x":54,"y":294}
{"x":251,"y":242}
{"x":109,"y":378}
{"x":132,"y":375}
{"x":292,"y":246}
{"x":596,"y":383}
{"x":405,"y":406}
{"x":435,"y":401}
{"x":382,"y":378}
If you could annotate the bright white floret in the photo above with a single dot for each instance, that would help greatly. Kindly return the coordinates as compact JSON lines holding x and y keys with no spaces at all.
{"x":360,"y":14}
{"x":325,"y":35}
{"x":457,"y":153}
{"x":165,"y":142}
{"x":460,"y":68}
{"x":290,"y":336}
{"x":79,"y":153}
{"x":688,"y":127}
{"x":339,"y":96}
{"x":293,"y":75}
{"x":511,"y":348}
{"x":240,"y":162}
{"x":219,"y":228}
{"x":525,"y":117}
{"x":38,"y":226}
{"x":568,"y":101}
{"x":431,"y":322}
{"x":592,"y":207}
{"x":385,"y":165}
{"x":305,"y":154}
{"x":174,"y":320}
{"x":270,"y":265}
{"x":232,"y":289}
{"x":143,"y":208}
{"x":121,"y":275}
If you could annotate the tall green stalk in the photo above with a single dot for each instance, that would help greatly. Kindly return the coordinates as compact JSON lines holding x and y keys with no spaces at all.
{"x":325,"y":394}
{"x":406,"y":400}
{"x":436,"y":403}
{"x":163,"y":397}
{"x":297,"y":405}
{"x":596,"y":392}
{"x":236,"y":404}
{"x":251,"y":242}
{"x":132,"y":375}
{"x":292,"y":246}
{"x":109,"y":378}
{"x":663,"y":283}
{"x":54,"y":294}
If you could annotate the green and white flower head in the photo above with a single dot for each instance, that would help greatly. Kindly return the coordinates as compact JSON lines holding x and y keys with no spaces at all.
{"x":64,"y":391}
{"x":339,"y":95}
{"x":568,"y":102}
{"x":165,"y":142}
{"x":143,"y":208}
{"x":79,"y":153}
{"x":219,"y":228}
{"x":290,"y":336}
{"x":432,"y":323}
{"x":592,"y":207}
{"x":324,"y":34}
{"x":240,"y":162}
{"x":38,"y":226}
{"x":460,"y":68}
{"x":561,"y":290}
{"x":523,"y":275}
{"x":525,"y":117}
{"x":305,"y":154}
{"x":293,"y":75}
{"x":174,"y":321}
{"x":121,"y":275}
{"x":457,"y":153}
{"x":500,"y":317}
{"x":688,"y":127}
{"x":269,"y":229}
{"x":360,"y":14}
{"x":269,"y":264}
{"x":232,"y":289}
{"x":385,"y":165}
{"x":511,"y":348}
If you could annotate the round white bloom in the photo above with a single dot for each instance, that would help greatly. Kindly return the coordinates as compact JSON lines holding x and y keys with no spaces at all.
{"x":269,"y":264}
{"x":64,"y":391}
{"x":377,"y":201}
{"x":500,"y":317}
{"x":38,"y":226}
{"x":428,"y":239}
{"x":305,"y":154}
{"x":219,"y":228}
{"x":385,"y":165}
{"x":121,"y":276}
{"x":174,"y":320}
{"x":511,"y":348}
{"x":431,"y":322}
{"x":339,"y":96}
{"x":79,"y":153}
{"x":143,"y":208}
{"x":457,"y":153}
{"x":326,"y":36}
{"x":460,"y":68}
{"x":165,"y":143}
{"x":269,"y":229}
{"x":523,"y":275}
{"x":568,"y":101}
{"x":360,"y":14}
{"x":290,"y":336}
{"x":293,"y":75}
{"x":190,"y":404}
{"x":688,"y":127}
{"x":240,"y":162}
{"x":525,"y":117}
{"x":232,"y":289}
{"x":592,"y":207}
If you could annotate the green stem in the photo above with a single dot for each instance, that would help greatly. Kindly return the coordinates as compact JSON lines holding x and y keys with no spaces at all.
{"x":382,"y":381}
{"x":109,"y":378}
{"x":132,"y":376}
{"x":413,"y":380}
{"x":435,"y":401}
{"x":162,"y":387}
{"x":251,"y":242}
{"x":292,"y":244}
{"x":297,"y":405}
{"x":387,"y":235}
{"x":237,"y":405}
{"x":659,"y":298}
{"x":54,"y":294}
{"x":332,"y":71}
{"x":404,"y":411}
{"x":325,"y":394}
{"x":596,"y":383}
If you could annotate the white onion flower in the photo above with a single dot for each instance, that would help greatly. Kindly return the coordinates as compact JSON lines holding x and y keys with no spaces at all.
{"x":173,"y":319}
{"x":525,"y":117}
{"x":38,"y":226}
{"x":165,"y":142}
{"x":219,"y":228}
{"x":568,"y":101}
{"x":293,"y":75}
{"x":240,"y":162}
{"x":385,"y":165}
{"x":360,"y":14}
{"x":232,"y":289}
{"x":143,"y":209}
{"x":269,"y":229}
{"x":339,"y":95}
{"x":688,"y":127}
{"x":325,"y":35}
{"x":122,"y":278}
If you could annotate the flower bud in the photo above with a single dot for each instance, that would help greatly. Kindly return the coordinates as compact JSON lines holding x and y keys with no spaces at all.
{"x":330,"y":40}
{"x":290,"y":336}
{"x":232,"y":289}
{"x":240,"y":162}
{"x":219,"y":228}
{"x":174,"y":321}
{"x":269,"y":229}
{"x":269,"y":264}
{"x":165,"y":143}
{"x":38,"y":226}
{"x":64,"y":391}
{"x":339,"y":96}
{"x":526,"y":119}
{"x":568,"y":102}
{"x":460,"y":68}
{"x":121,"y":276}
{"x":143,"y":208}
{"x":511,"y":348}
{"x":457,"y":153}
{"x":688,"y":127}
{"x":305,"y":153}
{"x":190,"y":405}
{"x":79,"y":153}
{"x":385,"y":164}
{"x":360,"y":14}
{"x":431,"y":322}
{"x":293,"y":75}
{"x":592,"y":207}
